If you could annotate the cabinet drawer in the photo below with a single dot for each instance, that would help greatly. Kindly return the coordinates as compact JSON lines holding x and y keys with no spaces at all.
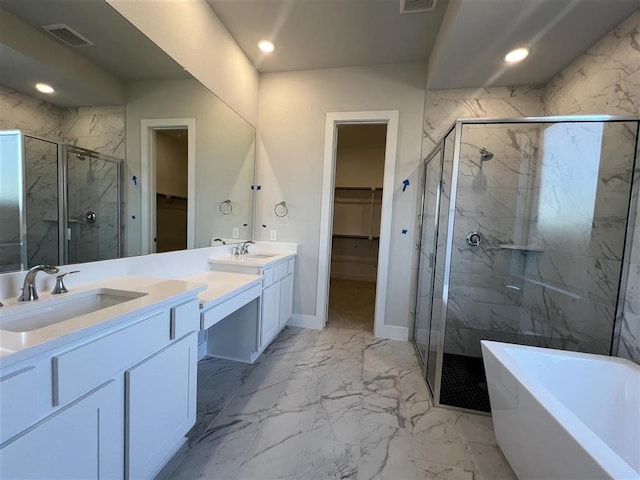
{"x":185,"y":318}
{"x":213,"y":315}
{"x":267,"y":273}
{"x":279,"y":271}
{"x":291,"y":263}
{"x":19,"y":406}
{"x":77,"y":371}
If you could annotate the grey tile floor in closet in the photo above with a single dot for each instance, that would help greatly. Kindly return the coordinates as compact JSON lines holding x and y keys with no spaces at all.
{"x":336,"y":403}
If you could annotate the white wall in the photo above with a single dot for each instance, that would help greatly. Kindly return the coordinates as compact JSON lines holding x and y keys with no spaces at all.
{"x":192,"y":34}
{"x":224,"y":168}
{"x":292,"y":110}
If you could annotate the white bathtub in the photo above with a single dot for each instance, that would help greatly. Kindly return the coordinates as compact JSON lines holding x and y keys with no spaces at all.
{"x":562,"y":415}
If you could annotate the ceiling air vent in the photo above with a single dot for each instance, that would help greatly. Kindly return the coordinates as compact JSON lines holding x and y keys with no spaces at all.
{"x":412,"y":6}
{"x":67,"y":35}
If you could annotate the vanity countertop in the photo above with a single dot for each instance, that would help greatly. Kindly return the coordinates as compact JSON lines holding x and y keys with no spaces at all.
{"x":15,"y":346}
{"x":221,"y":286}
{"x":258,"y":259}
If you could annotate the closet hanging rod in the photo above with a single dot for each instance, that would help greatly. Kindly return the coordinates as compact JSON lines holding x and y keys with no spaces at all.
{"x":359,"y":188}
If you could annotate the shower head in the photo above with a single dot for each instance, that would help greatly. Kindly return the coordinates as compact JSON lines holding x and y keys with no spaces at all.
{"x":80,"y":156}
{"x":485,"y":154}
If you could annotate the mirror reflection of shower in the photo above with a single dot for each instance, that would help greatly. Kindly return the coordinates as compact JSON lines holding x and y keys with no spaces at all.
{"x":72,"y":204}
{"x":91,"y":177}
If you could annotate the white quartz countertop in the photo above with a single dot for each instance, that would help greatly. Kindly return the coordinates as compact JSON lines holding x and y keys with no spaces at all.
{"x":259,"y":259}
{"x":14,"y":346}
{"x":221,"y":286}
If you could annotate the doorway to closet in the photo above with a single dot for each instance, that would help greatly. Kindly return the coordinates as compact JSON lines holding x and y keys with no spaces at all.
{"x":171,"y":161}
{"x":355,"y":240}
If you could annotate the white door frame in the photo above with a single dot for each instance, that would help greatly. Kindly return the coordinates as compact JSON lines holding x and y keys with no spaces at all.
{"x":148,"y":175}
{"x":333,"y":119}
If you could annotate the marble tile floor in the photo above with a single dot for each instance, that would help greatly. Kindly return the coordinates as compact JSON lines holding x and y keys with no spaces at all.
{"x":328,"y":404}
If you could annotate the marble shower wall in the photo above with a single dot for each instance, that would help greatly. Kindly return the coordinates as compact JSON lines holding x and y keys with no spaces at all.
{"x":493,"y":199}
{"x":606,"y":80}
{"x":95,"y":128}
{"x":41,"y":177}
{"x":93,"y":188}
{"x":487,"y":202}
{"x":578,"y":222}
{"x":93,"y":182}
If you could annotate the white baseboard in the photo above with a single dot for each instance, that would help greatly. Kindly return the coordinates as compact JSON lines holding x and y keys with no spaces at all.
{"x":392,"y":332}
{"x":305,"y":321}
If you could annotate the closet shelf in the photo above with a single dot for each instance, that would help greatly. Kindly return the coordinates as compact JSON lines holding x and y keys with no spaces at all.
{"x":378,"y":189}
{"x":363,"y":237}
{"x":169,"y":196}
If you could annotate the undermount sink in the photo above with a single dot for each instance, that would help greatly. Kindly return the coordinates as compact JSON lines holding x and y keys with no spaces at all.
{"x":31,"y":316}
{"x":261,"y":255}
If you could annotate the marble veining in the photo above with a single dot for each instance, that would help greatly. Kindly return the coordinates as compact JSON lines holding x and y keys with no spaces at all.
{"x":568,"y":291}
{"x":336,"y":403}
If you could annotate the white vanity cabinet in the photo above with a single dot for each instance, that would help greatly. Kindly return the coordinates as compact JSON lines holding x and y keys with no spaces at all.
{"x":114,"y":404}
{"x":277,"y":300}
{"x":160,"y":406}
{"x":275,"y":304}
{"x":83,"y":440}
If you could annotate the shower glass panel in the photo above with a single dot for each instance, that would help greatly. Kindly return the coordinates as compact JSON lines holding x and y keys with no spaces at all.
{"x":422,"y":324}
{"x":436,"y":330}
{"x":531,"y":249}
{"x":93,"y":206}
{"x":41,"y":201}
{"x":13,"y":232}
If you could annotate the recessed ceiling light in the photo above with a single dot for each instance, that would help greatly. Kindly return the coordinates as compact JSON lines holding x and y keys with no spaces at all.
{"x":266,"y":46}
{"x":516,"y":55}
{"x":44,"y":88}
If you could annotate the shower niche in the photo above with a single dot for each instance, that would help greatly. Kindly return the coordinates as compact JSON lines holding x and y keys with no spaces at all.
{"x":59,"y":204}
{"x":525,"y":229}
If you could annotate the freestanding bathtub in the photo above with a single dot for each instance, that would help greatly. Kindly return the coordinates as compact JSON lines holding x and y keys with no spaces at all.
{"x":562,"y":415}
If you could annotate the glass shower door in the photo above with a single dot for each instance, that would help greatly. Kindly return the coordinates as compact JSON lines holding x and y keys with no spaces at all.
{"x":431,"y":197}
{"x":93,"y":207}
{"x":41,"y":201}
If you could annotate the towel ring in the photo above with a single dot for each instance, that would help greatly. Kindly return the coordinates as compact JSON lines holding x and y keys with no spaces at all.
{"x":226,"y":208}
{"x":281,"y":209}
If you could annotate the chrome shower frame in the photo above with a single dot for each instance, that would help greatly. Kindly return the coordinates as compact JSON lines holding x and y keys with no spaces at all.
{"x":63,"y":203}
{"x":456,"y":129}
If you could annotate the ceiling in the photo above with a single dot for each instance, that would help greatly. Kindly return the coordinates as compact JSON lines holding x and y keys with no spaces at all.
{"x":463,"y":41}
{"x":86,"y":75}
{"x":478,"y":33}
{"x":311,"y":34}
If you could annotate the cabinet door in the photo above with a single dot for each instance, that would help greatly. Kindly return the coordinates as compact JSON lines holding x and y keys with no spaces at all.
{"x":160,"y":406}
{"x":82,"y":440}
{"x":270,"y":314}
{"x":286,"y":300}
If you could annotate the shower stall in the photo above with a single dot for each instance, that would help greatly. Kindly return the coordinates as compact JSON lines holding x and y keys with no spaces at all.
{"x":60,"y":204}
{"x":525,"y":234}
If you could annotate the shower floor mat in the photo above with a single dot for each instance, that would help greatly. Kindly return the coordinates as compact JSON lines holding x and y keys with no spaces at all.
{"x":464,"y":383}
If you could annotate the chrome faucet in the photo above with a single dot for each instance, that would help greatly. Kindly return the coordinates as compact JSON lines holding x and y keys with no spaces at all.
{"x":244,"y":249}
{"x":29,"y":292}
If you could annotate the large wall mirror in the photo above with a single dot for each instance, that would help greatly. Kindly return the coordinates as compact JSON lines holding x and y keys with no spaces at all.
{"x":130,"y":154}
